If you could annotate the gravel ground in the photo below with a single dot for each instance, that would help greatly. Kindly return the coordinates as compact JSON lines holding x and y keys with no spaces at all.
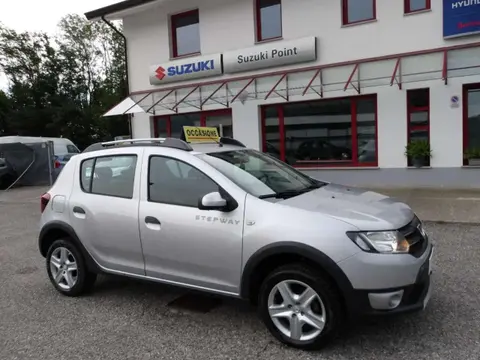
{"x":124,"y":319}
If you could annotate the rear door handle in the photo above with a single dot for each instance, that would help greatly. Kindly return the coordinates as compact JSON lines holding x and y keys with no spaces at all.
{"x":78,"y":210}
{"x":153,"y":223}
{"x":152,"y":220}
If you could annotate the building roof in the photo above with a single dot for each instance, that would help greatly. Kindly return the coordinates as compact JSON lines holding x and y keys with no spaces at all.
{"x":123,"y":5}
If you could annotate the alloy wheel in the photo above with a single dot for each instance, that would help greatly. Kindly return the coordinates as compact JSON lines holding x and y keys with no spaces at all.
{"x":63,"y":267}
{"x":296,"y":310}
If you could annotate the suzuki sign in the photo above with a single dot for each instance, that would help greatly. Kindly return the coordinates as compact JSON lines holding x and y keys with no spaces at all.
{"x":187,"y":69}
{"x":461,"y":17}
{"x":270,"y":55}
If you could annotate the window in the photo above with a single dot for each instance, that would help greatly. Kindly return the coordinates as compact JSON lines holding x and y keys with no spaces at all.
{"x":418,"y":112}
{"x":268,"y":19}
{"x":336,"y":132}
{"x":185,"y":33}
{"x":412,"y":6}
{"x":471,"y":122}
{"x":355,"y":11}
{"x":172,"y":125}
{"x":112,"y":175}
{"x":257,"y":173}
{"x":177,"y":183}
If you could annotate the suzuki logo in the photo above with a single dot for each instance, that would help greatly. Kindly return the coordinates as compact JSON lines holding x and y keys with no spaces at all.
{"x":160,"y":73}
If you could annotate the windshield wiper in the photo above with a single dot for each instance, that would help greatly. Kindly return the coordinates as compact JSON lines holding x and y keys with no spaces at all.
{"x":291,"y":193}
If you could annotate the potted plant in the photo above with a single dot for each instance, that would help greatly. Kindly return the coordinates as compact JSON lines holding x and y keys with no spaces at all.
{"x":473,"y":156}
{"x":419,"y":152}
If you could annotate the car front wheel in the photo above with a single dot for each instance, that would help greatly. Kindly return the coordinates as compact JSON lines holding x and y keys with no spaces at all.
{"x":300,"y":307}
{"x":67,"y":270}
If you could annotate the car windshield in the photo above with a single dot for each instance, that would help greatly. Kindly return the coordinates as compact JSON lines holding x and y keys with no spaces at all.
{"x":260,"y":174}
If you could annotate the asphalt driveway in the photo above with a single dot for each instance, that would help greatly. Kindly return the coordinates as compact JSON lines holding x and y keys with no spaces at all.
{"x":124,"y":319}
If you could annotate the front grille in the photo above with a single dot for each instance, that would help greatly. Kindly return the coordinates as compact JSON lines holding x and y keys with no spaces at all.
{"x":413,"y":234}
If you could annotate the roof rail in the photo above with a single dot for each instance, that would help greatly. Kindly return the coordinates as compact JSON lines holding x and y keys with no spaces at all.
{"x":164,"y":142}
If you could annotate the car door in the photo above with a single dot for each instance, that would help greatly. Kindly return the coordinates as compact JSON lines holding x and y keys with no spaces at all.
{"x":104,"y":210}
{"x":183,"y":244}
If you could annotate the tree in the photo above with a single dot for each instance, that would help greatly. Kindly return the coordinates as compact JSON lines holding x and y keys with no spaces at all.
{"x":61,"y":86}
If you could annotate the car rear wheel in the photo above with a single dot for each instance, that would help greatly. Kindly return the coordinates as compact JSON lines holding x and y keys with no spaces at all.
{"x":67,"y":270}
{"x":300,"y":307}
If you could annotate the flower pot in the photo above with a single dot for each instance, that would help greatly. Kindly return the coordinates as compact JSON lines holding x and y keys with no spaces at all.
{"x":474,"y":162}
{"x":419,"y":162}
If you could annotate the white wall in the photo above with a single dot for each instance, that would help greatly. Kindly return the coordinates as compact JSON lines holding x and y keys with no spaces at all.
{"x":229,"y":24}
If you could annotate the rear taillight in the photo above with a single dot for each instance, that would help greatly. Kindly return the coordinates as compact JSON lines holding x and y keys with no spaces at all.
{"x":44,"y":200}
{"x":57,"y":164}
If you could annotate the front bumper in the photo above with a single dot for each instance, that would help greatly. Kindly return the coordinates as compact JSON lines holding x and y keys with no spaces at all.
{"x":397,"y":300}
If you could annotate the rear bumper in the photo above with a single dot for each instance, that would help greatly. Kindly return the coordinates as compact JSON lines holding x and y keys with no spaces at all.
{"x":397,"y":300}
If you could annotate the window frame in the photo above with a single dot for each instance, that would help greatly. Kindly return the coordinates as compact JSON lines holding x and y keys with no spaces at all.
{"x":411,"y":109}
{"x":466,"y":88}
{"x":94,"y":158}
{"x":221,"y":190}
{"x":173,"y":33}
{"x":407,"y":3}
{"x":345,"y":21}
{"x":203,"y":119}
{"x":258,"y":23}
{"x":354,"y":134}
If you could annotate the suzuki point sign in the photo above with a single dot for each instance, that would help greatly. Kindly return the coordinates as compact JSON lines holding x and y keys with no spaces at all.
{"x":461,"y":18}
{"x":270,"y":55}
{"x":188,"y":69}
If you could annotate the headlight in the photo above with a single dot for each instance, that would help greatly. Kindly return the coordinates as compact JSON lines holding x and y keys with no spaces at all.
{"x":385,"y":242}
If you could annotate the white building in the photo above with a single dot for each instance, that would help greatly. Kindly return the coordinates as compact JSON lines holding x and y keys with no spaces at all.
{"x":335,"y":87}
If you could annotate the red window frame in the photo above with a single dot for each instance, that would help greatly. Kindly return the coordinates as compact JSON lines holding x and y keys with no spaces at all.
{"x":411,"y":109}
{"x":465,"y":116}
{"x":345,"y":13}
{"x":173,"y":19}
{"x":354,"y":162}
{"x":408,"y":10}
{"x":258,"y":23}
{"x":203,"y":119}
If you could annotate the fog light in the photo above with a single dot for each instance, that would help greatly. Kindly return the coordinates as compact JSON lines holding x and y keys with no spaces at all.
{"x":385,"y":301}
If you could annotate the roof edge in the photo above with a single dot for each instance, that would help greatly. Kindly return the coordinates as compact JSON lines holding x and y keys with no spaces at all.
{"x":107,"y":10}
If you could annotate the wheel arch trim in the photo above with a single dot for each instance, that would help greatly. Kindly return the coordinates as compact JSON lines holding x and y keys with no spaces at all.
{"x":64,"y":227}
{"x":324,"y":262}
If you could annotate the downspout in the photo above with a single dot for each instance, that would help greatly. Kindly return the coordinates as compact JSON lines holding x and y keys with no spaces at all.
{"x":127,"y":92}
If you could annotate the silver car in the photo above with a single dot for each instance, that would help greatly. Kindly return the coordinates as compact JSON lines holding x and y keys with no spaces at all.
{"x":225,"y":219}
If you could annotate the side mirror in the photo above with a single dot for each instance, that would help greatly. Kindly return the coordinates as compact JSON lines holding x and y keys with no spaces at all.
{"x":212,"y":201}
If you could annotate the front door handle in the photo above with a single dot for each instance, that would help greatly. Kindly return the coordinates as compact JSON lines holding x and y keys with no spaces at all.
{"x":78,"y":210}
{"x":152,"y":220}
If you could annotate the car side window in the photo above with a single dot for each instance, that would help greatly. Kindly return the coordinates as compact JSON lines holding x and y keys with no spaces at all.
{"x":174,"y":182}
{"x":109,"y":175}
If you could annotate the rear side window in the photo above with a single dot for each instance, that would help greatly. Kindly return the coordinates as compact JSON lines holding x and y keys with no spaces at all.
{"x":177,"y":183}
{"x":109,"y":176}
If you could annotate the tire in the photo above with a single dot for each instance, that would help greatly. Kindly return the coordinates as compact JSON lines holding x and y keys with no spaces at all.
{"x":326,"y":305}
{"x":63,"y":254}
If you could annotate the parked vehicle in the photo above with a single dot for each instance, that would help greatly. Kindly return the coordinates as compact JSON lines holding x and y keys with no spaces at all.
{"x":63,"y":148}
{"x":7,"y":174}
{"x":222,"y":218}
{"x":317,"y":149}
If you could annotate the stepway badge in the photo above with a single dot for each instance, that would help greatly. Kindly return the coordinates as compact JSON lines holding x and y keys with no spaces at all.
{"x":187,"y":69}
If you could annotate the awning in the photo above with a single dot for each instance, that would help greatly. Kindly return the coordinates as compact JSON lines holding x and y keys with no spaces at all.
{"x":350,"y":77}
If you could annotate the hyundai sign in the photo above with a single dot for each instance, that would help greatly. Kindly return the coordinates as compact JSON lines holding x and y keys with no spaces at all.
{"x":461,"y":17}
{"x":186,"y":69}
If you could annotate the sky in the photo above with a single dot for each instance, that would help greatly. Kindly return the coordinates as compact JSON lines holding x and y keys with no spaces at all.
{"x":42,"y":15}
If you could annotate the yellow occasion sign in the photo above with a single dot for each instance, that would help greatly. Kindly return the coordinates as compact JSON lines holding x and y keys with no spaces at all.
{"x":201,"y":134}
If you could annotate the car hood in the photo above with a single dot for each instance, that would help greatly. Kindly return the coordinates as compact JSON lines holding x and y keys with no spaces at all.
{"x":364,"y":209}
